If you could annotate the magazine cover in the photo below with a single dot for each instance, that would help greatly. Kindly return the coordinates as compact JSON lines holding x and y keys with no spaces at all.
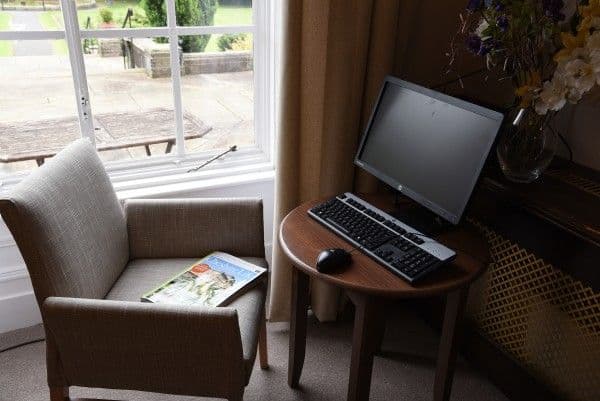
{"x":211,"y":281}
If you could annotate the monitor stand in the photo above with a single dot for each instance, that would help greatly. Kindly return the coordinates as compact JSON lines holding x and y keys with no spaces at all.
{"x":423,"y":220}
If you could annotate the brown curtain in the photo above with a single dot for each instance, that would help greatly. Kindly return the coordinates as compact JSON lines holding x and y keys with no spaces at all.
{"x":335,"y":56}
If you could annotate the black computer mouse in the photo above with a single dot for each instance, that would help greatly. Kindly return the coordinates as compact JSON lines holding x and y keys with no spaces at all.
{"x":331,"y":259}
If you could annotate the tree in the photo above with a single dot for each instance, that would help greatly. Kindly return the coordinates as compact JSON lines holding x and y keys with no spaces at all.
{"x":188,"y":13}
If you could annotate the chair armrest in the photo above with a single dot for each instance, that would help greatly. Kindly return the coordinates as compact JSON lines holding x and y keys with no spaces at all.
{"x":177,"y":228}
{"x":148,"y":347}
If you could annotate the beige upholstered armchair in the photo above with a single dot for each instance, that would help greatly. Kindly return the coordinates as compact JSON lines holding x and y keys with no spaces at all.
{"x":90,"y":258}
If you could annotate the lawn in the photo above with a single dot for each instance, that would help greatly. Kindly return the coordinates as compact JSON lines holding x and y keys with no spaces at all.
{"x":53,"y":19}
{"x":233,"y":16}
{"x":229,"y":16}
{"x":119,"y":10}
{"x":223,"y":16}
{"x":5,"y":45}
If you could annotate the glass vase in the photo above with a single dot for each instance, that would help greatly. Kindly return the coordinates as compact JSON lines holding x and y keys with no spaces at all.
{"x":526,"y":145}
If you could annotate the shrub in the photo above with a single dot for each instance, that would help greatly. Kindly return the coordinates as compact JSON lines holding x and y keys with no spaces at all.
{"x":139,"y":18}
{"x":239,"y":41}
{"x":106,"y":15}
{"x":244,"y":43}
{"x":188,"y":12}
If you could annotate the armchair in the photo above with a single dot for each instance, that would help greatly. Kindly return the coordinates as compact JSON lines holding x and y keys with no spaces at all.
{"x":90,"y":258}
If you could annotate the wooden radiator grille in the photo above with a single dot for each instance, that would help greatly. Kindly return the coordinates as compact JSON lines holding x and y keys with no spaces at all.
{"x":582,"y":183}
{"x":547,"y":321}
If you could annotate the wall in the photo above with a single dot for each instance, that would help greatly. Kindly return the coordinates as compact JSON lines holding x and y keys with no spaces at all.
{"x":18,"y":308}
{"x":156,"y":60}
{"x":426,"y":29}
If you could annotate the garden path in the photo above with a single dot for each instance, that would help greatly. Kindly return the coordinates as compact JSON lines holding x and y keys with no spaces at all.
{"x":29,"y":21}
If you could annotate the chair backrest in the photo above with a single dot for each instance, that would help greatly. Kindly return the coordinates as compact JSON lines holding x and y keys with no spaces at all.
{"x":69,"y":225}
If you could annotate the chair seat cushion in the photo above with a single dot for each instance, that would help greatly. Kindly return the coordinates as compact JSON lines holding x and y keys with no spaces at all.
{"x":142,"y":275}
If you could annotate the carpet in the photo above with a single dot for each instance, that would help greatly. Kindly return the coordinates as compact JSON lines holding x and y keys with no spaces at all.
{"x":403,"y":372}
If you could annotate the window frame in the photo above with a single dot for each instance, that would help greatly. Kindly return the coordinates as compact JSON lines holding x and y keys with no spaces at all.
{"x":172,"y":168}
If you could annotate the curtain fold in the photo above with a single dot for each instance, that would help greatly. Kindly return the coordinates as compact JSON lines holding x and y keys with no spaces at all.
{"x":335,"y":56}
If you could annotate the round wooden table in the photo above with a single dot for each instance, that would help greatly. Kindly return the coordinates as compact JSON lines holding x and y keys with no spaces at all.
{"x":369,"y":285}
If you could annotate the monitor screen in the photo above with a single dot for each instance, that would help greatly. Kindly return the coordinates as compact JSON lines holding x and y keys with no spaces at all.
{"x":428,"y":145}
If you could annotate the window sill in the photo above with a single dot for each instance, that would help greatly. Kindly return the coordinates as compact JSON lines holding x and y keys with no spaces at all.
{"x":234,"y":176}
{"x":168,"y":176}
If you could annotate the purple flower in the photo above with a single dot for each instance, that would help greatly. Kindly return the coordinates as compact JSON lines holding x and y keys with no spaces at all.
{"x":473,"y":43}
{"x":486,"y":46}
{"x":553,"y":9}
{"x":502,"y":22}
{"x":478,"y":46}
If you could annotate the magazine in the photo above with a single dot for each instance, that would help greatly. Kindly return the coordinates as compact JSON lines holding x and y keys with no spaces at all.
{"x":212,"y":281}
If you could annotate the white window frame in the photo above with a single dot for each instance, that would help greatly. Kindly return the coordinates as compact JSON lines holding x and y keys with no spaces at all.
{"x":172,"y":168}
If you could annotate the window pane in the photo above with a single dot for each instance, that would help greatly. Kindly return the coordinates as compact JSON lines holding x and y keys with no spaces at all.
{"x":131,"y":95}
{"x":38,"y":113}
{"x":218,"y":89}
{"x":213,"y":12}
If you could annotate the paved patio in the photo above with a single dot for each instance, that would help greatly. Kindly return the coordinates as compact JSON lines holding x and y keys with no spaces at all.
{"x":41,"y":88}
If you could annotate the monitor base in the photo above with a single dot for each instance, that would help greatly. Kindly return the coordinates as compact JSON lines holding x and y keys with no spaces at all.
{"x":423,"y":220}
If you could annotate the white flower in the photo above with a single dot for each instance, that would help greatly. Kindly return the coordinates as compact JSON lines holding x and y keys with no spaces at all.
{"x":552,"y":96}
{"x":592,"y":47}
{"x":592,"y":44}
{"x":483,"y":25}
{"x":579,"y":76}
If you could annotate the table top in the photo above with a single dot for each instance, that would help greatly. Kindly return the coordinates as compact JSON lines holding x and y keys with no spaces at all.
{"x":303,"y":238}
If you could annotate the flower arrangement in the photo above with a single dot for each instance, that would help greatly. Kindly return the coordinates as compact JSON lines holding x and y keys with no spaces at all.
{"x":550,"y":49}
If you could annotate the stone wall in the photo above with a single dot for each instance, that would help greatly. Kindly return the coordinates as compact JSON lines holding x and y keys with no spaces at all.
{"x":110,"y":47}
{"x":211,"y":63}
{"x":154,"y":58}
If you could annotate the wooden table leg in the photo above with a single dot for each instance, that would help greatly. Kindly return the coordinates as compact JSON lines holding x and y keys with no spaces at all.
{"x":369,"y":323}
{"x":444,"y":374}
{"x":59,"y":393}
{"x":297,"y":326}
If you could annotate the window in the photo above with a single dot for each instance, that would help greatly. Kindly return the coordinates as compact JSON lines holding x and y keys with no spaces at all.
{"x":157,"y":85}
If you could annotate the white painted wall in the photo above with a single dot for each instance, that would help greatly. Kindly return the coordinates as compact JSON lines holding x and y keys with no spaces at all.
{"x":18,"y":307}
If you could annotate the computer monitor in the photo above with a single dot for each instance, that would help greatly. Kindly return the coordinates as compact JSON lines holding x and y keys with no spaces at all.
{"x":427,"y":145}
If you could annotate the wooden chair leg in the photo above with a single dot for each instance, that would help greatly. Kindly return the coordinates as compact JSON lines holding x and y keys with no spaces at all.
{"x":59,"y":394}
{"x":262,"y":345}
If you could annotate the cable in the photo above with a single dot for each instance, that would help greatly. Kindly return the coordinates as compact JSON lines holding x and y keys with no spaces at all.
{"x":460,"y":78}
{"x":22,"y":345}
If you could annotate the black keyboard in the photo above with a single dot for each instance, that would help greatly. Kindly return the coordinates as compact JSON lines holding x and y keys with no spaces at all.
{"x":397,"y":246}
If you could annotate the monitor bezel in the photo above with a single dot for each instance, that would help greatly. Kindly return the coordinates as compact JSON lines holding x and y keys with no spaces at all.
{"x":437,"y":209}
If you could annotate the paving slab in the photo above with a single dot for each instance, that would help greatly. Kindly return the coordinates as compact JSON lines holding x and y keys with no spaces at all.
{"x":41,"y":88}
